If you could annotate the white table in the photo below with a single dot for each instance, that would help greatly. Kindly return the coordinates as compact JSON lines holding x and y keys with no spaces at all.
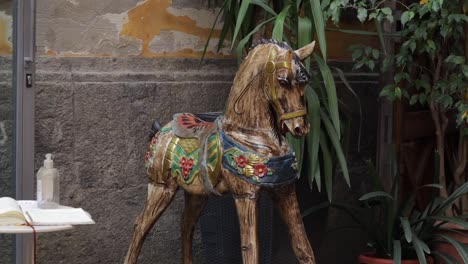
{"x":23,"y":230}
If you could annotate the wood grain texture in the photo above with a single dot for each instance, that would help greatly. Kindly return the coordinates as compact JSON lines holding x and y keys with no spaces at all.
{"x":286,"y":201}
{"x":251,"y":121}
{"x":159,"y":198}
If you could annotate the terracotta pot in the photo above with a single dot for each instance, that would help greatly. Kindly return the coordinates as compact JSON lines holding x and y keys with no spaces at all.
{"x":369,"y":258}
{"x":447,"y":248}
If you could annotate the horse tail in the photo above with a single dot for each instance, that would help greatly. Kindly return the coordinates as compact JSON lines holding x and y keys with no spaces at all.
{"x":155,"y":127}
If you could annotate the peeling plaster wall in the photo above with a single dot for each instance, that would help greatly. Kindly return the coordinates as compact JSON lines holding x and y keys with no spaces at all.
{"x":6,"y":22}
{"x":148,"y":28}
{"x":126,"y":28}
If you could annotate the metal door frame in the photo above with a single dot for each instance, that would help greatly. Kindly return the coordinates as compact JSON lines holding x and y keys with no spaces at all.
{"x":24,"y":54}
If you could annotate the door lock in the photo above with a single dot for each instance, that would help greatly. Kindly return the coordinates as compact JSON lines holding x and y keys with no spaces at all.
{"x":29,"y":80}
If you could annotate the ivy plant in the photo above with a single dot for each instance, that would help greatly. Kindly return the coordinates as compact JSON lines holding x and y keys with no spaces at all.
{"x":429,"y":64}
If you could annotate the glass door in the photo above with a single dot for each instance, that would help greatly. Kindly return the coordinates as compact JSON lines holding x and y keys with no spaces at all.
{"x":16,"y":114}
{"x":7,"y":119}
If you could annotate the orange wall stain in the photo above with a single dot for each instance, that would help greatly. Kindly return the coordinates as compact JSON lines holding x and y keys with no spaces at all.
{"x":147,"y":20}
{"x":5,"y":45}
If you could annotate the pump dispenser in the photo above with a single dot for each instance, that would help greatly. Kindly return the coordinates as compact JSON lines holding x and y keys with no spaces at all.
{"x":48,"y":185}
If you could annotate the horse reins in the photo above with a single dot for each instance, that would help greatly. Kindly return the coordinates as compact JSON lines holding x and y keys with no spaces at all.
{"x":269,"y":78}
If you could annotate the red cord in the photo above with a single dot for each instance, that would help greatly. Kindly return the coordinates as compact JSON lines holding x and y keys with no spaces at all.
{"x":34,"y":242}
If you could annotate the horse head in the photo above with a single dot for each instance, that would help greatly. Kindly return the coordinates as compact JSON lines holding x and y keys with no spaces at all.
{"x":267,"y":96}
{"x":285,"y":78}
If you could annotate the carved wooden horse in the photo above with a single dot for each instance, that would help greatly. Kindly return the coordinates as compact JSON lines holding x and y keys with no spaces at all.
{"x":242,"y":152}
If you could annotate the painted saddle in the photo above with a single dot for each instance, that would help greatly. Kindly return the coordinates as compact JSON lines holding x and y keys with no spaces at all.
{"x":199,"y":148}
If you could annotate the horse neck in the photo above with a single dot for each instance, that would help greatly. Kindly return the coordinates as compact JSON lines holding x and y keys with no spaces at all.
{"x":247,"y":118}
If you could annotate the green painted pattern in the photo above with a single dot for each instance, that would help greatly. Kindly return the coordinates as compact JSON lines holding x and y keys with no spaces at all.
{"x":185,"y":165}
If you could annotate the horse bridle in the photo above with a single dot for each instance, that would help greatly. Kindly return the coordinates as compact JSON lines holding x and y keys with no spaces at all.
{"x":269,"y":79}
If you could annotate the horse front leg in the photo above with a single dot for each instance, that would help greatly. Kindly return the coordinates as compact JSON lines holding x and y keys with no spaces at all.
{"x":194,"y":205}
{"x":248,"y":220}
{"x":159,"y":198}
{"x":286,"y":201}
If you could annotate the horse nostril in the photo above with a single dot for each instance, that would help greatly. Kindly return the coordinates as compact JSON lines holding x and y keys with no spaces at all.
{"x":298,"y":131}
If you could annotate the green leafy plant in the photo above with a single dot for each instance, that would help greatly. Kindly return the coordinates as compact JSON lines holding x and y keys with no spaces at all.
{"x":397,"y":229}
{"x":297,"y":22}
{"x":429,"y":64}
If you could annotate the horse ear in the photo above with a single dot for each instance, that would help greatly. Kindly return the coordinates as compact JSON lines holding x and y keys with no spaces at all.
{"x":304,"y":52}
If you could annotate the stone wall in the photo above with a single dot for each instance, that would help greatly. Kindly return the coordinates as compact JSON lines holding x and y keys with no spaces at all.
{"x":104,"y":74}
{"x":94,"y":115}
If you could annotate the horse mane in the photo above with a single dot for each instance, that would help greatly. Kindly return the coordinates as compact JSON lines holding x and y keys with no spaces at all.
{"x":281,"y":44}
{"x":302,"y":75}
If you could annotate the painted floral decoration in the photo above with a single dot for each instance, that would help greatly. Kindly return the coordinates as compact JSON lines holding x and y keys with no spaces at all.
{"x":149,"y":158}
{"x":186,"y":165}
{"x":260,"y":170}
{"x":241,"y":161}
{"x":248,"y":164}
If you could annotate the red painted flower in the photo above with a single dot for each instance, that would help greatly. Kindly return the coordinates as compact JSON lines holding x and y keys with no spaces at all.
{"x":183,"y":162}
{"x":241,"y":161}
{"x":190,"y":163}
{"x":260,"y":170}
{"x":185,"y":173}
{"x":147,"y":157}
{"x":154,"y":140}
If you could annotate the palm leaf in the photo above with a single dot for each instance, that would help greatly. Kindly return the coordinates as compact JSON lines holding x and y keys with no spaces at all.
{"x":265,"y":6}
{"x":332,"y":135}
{"x":298,"y":147}
{"x":313,"y":138}
{"x":240,"y":19}
{"x":458,"y":246}
{"x":462,"y":190}
{"x":377,"y":194}
{"x":304,"y":36}
{"x":319,"y":22}
{"x":330,"y":88}
{"x":350,"y":89}
{"x":420,"y":247}
{"x":406,"y":229}
{"x":446,"y":257}
{"x":455,"y":220}
{"x":210,"y":34}
{"x":327,"y":165}
{"x":279,"y":24}
{"x":396,"y":252}
{"x":244,"y":41}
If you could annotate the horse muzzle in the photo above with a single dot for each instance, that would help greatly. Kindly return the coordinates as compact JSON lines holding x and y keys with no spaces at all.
{"x":297,"y":126}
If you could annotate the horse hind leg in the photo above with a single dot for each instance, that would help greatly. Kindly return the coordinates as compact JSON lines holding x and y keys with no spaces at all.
{"x":194,"y":205}
{"x":159,"y":198}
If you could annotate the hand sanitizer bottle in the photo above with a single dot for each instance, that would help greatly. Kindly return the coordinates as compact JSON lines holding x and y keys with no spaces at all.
{"x":48,"y":185}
